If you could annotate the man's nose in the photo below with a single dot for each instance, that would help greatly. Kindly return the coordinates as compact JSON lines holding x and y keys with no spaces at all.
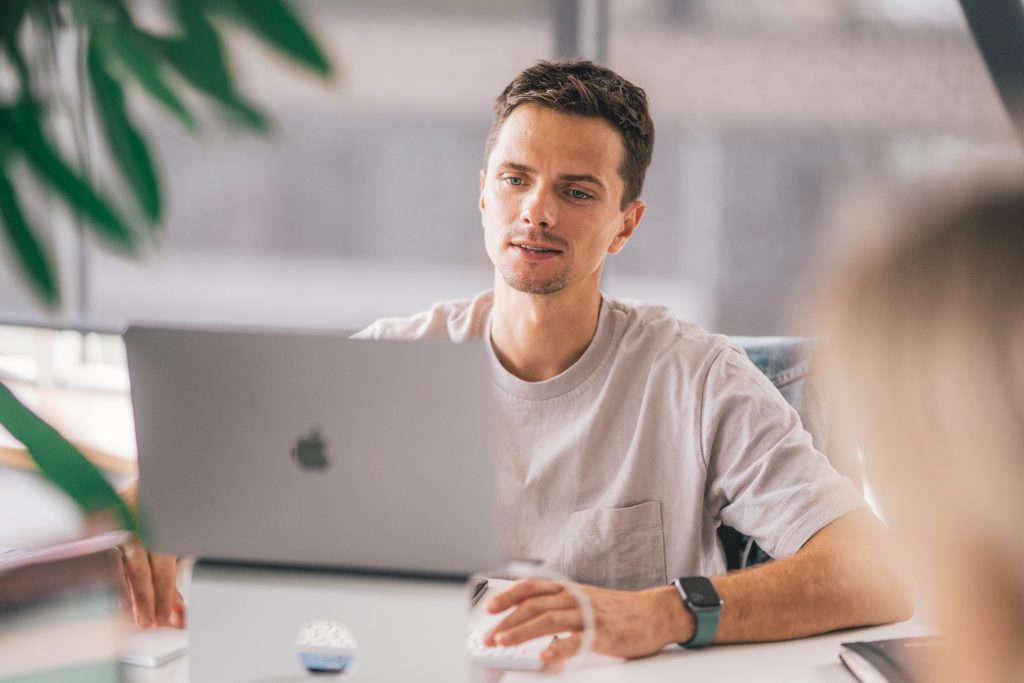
{"x":539,"y":209}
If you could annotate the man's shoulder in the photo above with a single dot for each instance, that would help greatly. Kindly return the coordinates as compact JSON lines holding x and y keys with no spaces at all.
{"x":457,"y":320}
{"x":657,"y":330}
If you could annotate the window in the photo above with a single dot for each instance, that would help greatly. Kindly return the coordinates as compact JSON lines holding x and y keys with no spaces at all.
{"x":363,"y":203}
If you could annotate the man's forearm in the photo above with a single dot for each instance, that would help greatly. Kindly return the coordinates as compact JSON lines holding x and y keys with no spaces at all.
{"x":846,"y":575}
{"x":833,"y":582}
{"x":814,"y":591}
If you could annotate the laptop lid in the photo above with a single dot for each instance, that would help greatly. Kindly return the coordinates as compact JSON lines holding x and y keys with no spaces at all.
{"x":316,"y":450}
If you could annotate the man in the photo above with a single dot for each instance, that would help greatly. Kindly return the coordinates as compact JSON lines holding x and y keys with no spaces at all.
{"x":627,"y":436}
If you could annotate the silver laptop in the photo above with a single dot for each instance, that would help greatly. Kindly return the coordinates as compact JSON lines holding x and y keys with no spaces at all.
{"x":316,"y":450}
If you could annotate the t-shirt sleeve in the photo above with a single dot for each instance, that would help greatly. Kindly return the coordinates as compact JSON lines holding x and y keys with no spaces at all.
{"x":426,"y":325}
{"x":454,"y":321}
{"x":765,"y":479}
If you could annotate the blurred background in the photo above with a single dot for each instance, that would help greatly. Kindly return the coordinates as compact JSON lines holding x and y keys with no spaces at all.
{"x":363,"y":202}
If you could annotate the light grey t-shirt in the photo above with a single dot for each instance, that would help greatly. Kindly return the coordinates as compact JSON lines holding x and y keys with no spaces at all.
{"x":618,"y":471}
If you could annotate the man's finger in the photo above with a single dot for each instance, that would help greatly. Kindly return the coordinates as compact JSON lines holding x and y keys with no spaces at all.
{"x":546,"y":624}
{"x":562,"y":649}
{"x":126,"y":585}
{"x":531,"y":608}
{"x":140,"y":580}
{"x":522,"y":590}
{"x":165,"y":589}
{"x":178,"y":613}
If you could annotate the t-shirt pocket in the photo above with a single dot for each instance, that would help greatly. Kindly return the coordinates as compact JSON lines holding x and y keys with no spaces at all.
{"x":620,"y":548}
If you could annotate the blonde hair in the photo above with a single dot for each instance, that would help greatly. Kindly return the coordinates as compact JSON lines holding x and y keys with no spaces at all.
{"x":926,"y":325}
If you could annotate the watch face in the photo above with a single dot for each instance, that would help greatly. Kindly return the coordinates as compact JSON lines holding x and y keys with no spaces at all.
{"x":700,"y":592}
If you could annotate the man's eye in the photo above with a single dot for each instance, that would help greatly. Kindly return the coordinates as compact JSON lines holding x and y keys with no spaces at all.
{"x":513,"y":180}
{"x":578,"y":194}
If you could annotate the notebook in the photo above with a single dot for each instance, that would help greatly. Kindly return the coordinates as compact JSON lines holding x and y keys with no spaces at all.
{"x":897,"y":660}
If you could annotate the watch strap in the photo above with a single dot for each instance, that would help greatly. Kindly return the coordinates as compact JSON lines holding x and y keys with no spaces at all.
{"x":705,"y":620}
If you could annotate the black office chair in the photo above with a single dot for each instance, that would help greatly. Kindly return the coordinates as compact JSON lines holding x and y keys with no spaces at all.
{"x":788,"y":362}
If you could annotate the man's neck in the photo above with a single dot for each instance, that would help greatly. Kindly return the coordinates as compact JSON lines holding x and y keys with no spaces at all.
{"x":537,"y":337}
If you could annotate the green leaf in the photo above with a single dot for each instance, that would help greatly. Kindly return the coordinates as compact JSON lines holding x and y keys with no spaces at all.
{"x":199,"y":57}
{"x":12,"y":12}
{"x":123,"y":44}
{"x":61,"y":462}
{"x":128,"y":147}
{"x":209,"y":75}
{"x":21,"y":126}
{"x":278,"y":25}
{"x":33,"y":259}
{"x":89,"y":13}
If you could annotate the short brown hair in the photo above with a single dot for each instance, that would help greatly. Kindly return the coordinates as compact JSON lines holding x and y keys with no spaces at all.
{"x":581,"y":88}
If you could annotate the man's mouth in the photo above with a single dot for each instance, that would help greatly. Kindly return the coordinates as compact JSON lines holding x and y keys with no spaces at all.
{"x":536,"y":248}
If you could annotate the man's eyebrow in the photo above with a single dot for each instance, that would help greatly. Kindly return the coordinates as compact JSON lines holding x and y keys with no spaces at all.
{"x":514,"y":166}
{"x":582,"y":178}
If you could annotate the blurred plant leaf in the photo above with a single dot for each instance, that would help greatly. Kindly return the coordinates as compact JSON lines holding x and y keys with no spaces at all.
{"x":127,"y":146}
{"x":199,"y":57}
{"x":116,"y":47}
{"x":122,"y":43}
{"x":21,"y":125}
{"x":96,"y":12}
{"x":278,"y":25}
{"x":61,"y":462}
{"x":12,"y":12}
{"x":33,"y":259}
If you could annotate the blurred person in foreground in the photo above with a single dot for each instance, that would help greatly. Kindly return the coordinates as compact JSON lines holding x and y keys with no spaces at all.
{"x":926,"y":327}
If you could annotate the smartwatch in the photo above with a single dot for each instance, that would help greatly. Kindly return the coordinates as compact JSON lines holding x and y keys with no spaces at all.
{"x":700,"y":597}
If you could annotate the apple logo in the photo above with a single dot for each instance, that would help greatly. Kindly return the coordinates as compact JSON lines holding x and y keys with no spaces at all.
{"x":310,"y":452}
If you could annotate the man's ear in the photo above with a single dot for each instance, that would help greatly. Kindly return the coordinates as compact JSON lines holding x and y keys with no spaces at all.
{"x":482,"y":178}
{"x":631,"y":218}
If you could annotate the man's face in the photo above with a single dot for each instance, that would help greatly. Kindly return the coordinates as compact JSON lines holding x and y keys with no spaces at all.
{"x":550,"y":200}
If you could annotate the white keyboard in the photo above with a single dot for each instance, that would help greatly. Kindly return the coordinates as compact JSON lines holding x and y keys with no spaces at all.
{"x":522,"y":657}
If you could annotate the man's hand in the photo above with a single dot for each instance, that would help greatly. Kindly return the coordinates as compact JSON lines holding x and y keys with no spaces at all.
{"x":151,"y":579}
{"x":628,"y":624}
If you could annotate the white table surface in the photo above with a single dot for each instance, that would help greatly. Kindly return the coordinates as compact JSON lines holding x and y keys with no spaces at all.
{"x":808,"y":660}
{"x":798,"y":661}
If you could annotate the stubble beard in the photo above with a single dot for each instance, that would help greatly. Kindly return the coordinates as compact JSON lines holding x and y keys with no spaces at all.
{"x":528,"y":285}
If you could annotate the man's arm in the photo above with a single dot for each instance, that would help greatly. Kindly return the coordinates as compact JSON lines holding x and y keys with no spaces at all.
{"x":847,"y":574}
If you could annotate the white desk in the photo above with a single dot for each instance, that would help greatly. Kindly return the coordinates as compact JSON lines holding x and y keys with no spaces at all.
{"x":800,"y":661}
{"x":810,"y":660}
